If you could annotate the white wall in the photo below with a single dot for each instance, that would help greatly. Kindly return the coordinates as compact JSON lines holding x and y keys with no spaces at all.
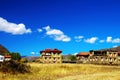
{"x":1,"y":58}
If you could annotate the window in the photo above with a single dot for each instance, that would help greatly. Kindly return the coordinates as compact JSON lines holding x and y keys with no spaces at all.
{"x":110,"y":59}
{"x":1,"y":58}
{"x":106,"y":59}
{"x":47,"y":53}
{"x":96,"y":59}
{"x":54,"y":58}
{"x":102,"y":59}
{"x":115,"y":59}
{"x":58,"y":54}
{"x":45,"y":57}
{"x":110,"y":54}
{"x":53,"y":53}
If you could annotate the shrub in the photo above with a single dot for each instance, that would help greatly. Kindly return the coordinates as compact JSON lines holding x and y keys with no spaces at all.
{"x":14,"y":67}
{"x":23,"y":60}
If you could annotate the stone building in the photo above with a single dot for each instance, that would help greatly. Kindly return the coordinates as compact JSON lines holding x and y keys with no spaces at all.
{"x":104,"y":57}
{"x":51,"y":56}
{"x":82,"y":57}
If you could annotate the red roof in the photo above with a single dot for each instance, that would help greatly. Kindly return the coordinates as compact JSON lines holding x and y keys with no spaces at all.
{"x":7,"y":56}
{"x":83,"y":54}
{"x":50,"y":50}
{"x":118,"y":52}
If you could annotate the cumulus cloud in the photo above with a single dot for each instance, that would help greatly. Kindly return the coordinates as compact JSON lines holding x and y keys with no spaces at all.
{"x":102,"y":41}
{"x":109,"y":39}
{"x":32,"y":53}
{"x":91,"y":40}
{"x":116,"y":40}
{"x":75,"y":53}
{"x":115,"y":46}
{"x":56,"y":34}
{"x":39,"y":30}
{"x":78,"y":38}
{"x":13,"y":28}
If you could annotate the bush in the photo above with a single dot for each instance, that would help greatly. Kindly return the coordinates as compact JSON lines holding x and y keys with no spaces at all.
{"x":14,"y":67}
{"x":15,"y":56}
{"x":23,"y":60}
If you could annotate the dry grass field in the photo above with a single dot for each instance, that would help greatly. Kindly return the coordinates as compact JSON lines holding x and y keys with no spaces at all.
{"x":67,"y":72}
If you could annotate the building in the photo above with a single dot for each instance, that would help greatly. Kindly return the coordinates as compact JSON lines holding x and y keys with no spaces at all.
{"x":4,"y":57}
{"x":1,"y":57}
{"x":51,"y":56}
{"x":7,"y":57}
{"x":82,"y":57}
{"x":4,"y":54}
{"x":104,"y":57}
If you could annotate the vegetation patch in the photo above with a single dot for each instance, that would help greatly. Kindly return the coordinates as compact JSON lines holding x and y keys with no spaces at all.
{"x":14,"y":67}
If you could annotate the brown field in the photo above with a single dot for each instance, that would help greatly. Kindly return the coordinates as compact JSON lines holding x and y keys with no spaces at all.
{"x":67,"y":72}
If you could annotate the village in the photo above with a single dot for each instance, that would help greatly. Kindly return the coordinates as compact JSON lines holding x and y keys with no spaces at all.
{"x":51,"y":56}
{"x":53,"y":63}
{"x":91,"y":57}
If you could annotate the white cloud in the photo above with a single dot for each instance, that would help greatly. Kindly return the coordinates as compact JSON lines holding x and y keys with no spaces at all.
{"x":39,"y":30}
{"x":116,"y":40}
{"x":115,"y":46}
{"x":78,"y":38}
{"x":32,"y":53}
{"x":75,"y":53}
{"x":58,"y":35}
{"x":12,"y":27}
{"x":47,"y":28}
{"x":54,"y":32}
{"x":28,"y":31}
{"x":109,"y":39}
{"x":102,"y":41}
{"x":91,"y":40}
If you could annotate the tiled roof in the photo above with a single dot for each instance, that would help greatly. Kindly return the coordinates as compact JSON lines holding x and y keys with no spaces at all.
{"x":7,"y":56}
{"x":83,"y":54}
{"x":51,"y":50}
{"x":118,"y":52}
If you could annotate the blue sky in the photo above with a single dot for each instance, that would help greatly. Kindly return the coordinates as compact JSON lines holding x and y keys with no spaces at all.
{"x":28,"y":26}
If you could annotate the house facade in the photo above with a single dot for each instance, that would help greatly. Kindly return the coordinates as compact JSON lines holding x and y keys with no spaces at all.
{"x":104,"y":57}
{"x":4,"y":57}
{"x":7,"y":57}
{"x":51,"y":56}
{"x":82,"y":57}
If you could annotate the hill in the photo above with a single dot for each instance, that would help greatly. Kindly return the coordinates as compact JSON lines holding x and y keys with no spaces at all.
{"x":112,"y":49}
{"x":31,"y":58}
{"x":3,"y":50}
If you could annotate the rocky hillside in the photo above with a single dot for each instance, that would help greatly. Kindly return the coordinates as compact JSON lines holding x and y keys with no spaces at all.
{"x":3,"y":50}
{"x":113,"y":49}
{"x":116,"y":48}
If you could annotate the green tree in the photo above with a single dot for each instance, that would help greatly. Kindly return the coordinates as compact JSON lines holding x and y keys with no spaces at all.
{"x":72,"y":57}
{"x":15,"y":56}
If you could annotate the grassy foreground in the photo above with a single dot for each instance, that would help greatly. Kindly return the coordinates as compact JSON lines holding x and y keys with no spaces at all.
{"x":67,"y":72}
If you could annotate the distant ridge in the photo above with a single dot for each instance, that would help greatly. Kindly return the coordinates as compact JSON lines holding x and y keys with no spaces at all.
{"x":31,"y":58}
{"x":3,"y":50}
{"x":112,"y":49}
